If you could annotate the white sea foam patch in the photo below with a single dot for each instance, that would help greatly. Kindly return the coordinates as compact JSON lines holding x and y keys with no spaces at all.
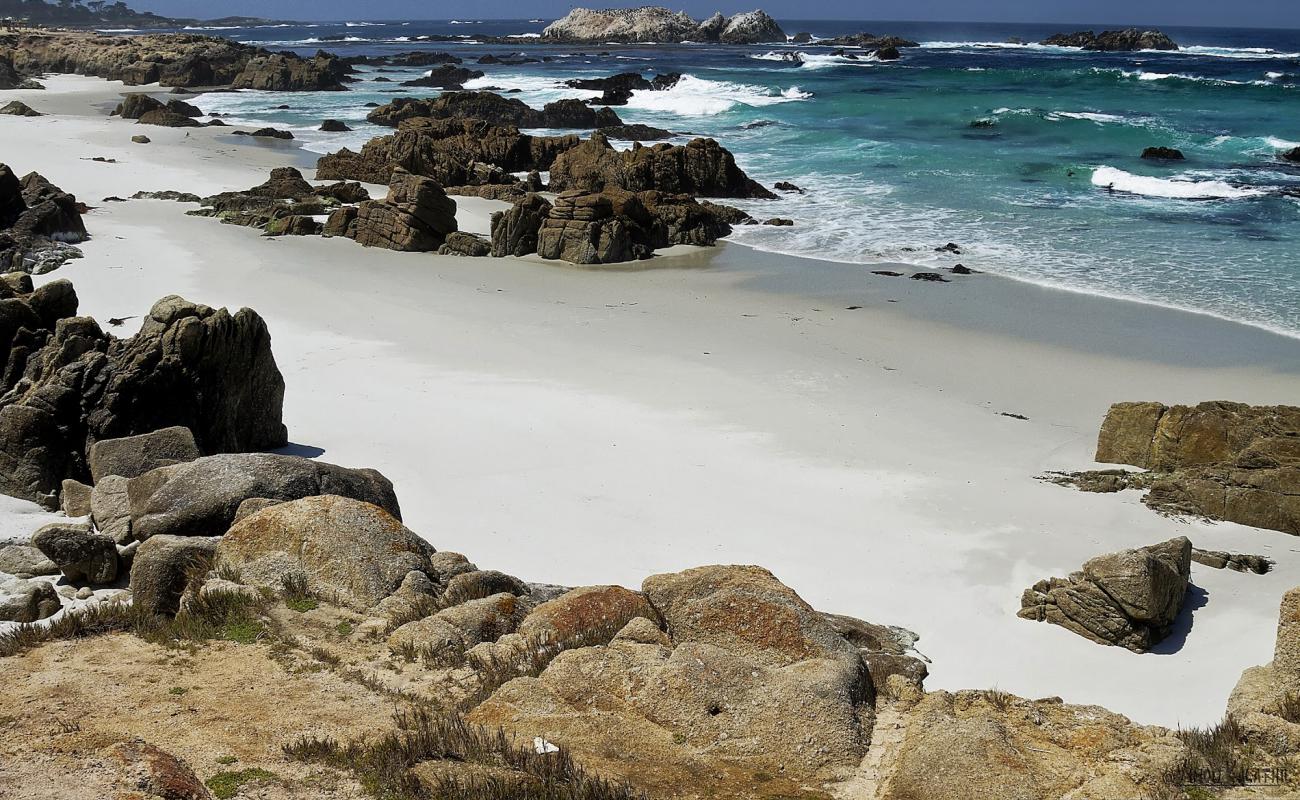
{"x":1280,"y":144}
{"x":817,"y":60}
{"x":1253,"y":53}
{"x":534,"y":90}
{"x":1090,"y":116}
{"x":1173,"y":188}
{"x":698,"y":97}
{"x":993,"y":46}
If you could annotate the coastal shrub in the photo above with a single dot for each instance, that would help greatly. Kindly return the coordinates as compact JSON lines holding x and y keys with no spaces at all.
{"x":297,"y":596}
{"x":384,"y":765}
{"x":1218,"y":756}
{"x":1289,"y":708}
{"x":225,"y":785}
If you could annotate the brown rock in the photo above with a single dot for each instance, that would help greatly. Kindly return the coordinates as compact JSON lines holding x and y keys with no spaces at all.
{"x":416,"y":215}
{"x":582,"y":612}
{"x":701,"y":168}
{"x":152,"y":774}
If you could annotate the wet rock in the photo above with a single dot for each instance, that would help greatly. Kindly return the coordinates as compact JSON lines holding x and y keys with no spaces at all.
{"x":1129,"y":39}
{"x":445,"y":76}
{"x":334,"y":126}
{"x":286,"y":72}
{"x":786,"y":186}
{"x":267,"y":133}
{"x":635,"y":133}
{"x":932,"y":277}
{"x":1163,"y":154}
{"x":779,"y":222}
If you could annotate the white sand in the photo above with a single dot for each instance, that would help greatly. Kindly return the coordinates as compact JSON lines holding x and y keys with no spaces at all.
{"x":599,"y":425}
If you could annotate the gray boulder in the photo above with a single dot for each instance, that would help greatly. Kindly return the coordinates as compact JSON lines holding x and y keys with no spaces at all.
{"x":74,"y":498}
{"x":162,"y":568}
{"x":27,"y":601}
{"x":25,"y":561}
{"x":79,"y":552}
{"x":346,"y":549}
{"x":483,"y":583}
{"x":110,"y":508}
{"x":135,"y":455}
{"x":1129,"y":598}
{"x":201,"y":498}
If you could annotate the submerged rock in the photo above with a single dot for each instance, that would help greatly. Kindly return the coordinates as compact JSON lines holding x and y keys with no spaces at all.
{"x":1163,"y":154}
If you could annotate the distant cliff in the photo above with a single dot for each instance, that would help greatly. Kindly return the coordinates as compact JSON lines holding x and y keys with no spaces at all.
{"x":97,"y":13}
{"x":658,"y":24}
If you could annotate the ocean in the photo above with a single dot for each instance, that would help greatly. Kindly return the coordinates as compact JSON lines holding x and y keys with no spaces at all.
{"x":1025,"y":156}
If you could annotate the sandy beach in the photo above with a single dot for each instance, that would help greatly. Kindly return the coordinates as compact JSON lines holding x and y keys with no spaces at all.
{"x":577,"y":425}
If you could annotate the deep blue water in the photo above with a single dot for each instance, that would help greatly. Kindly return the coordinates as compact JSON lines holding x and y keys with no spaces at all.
{"x":1051,"y":189}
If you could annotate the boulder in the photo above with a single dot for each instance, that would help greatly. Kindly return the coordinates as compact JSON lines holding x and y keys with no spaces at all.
{"x":110,"y":508}
{"x":416,"y":215}
{"x":1292,"y":155}
{"x":334,"y":126}
{"x":17,"y":108}
{"x":25,"y":561}
{"x":135,"y":455}
{"x":74,"y":498}
{"x":1128,"y":598}
{"x":347,"y":549}
{"x":201,"y":498}
{"x":136,"y":104}
{"x":445,"y":76}
{"x":80,"y":553}
{"x":465,"y":244}
{"x":38,"y":224}
{"x":166,"y":118}
{"x":485,"y":619}
{"x":140,"y":770}
{"x":1163,"y":154}
{"x":1164,"y":438}
{"x":482,"y":583}
{"x":713,"y":697}
{"x":701,"y":168}
{"x":26,"y":600}
{"x":635,"y":133}
{"x":286,"y":72}
{"x":141,"y":139}
{"x":267,"y":133}
{"x":163,"y":568}
{"x":514,"y":232}
{"x":586,"y":612}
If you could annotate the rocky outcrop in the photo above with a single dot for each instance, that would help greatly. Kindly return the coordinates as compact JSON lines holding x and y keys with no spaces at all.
{"x":1129,"y":598}
{"x":1292,"y":155}
{"x":616,"y":90}
{"x":343,"y":548}
{"x":39,"y":223}
{"x":494,"y":109}
{"x":704,"y":694}
{"x":173,"y":60}
{"x":1129,"y":39}
{"x":582,"y":228}
{"x":202,"y":497}
{"x":514,"y":232}
{"x":1218,"y":460}
{"x":465,"y":244}
{"x":453,"y":151}
{"x":657,"y":24}
{"x":1163,"y":154}
{"x":445,"y":76}
{"x":69,"y":385}
{"x":416,"y":215}
{"x":79,"y":552}
{"x":131,"y":456}
{"x":751,"y":27}
{"x":700,"y":168}
{"x":869,"y":41}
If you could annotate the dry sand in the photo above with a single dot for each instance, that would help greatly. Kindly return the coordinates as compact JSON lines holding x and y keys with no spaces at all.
{"x":582,"y":426}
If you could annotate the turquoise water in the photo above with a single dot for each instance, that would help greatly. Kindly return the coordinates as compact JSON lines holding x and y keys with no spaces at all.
{"x":1050,"y":188}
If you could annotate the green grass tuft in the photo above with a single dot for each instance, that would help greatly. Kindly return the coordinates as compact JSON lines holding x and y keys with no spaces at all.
{"x":225,"y":785}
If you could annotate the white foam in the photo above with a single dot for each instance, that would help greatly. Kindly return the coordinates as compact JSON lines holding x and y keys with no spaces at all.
{"x":817,"y":60}
{"x":697,"y":97}
{"x":1253,"y":53}
{"x":363,"y":24}
{"x":992,"y":46}
{"x":1091,"y":116}
{"x":1181,"y":189}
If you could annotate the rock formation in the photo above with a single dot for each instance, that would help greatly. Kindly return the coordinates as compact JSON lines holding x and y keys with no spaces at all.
{"x":173,"y":60}
{"x":17,"y":108}
{"x":416,"y":215}
{"x":1163,"y":154}
{"x":617,"y":89}
{"x":39,"y":222}
{"x":67,"y":384}
{"x":495,"y":109}
{"x":1266,"y":698}
{"x":657,"y":24}
{"x":1218,"y":460}
{"x":1128,"y":39}
{"x":1129,"y":598}
{"x":701,"y":168}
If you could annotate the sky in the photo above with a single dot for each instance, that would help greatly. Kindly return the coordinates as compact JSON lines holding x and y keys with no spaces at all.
{"x":1240,"y":13}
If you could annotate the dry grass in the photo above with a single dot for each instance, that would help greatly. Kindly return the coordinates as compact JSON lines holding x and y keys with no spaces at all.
{"x":1289,"y":707}
{"x":384,"y":766}
{"x":1218,"y":756}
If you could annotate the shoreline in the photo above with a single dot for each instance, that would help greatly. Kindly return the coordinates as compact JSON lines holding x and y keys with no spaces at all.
{"x":577,"y":424}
